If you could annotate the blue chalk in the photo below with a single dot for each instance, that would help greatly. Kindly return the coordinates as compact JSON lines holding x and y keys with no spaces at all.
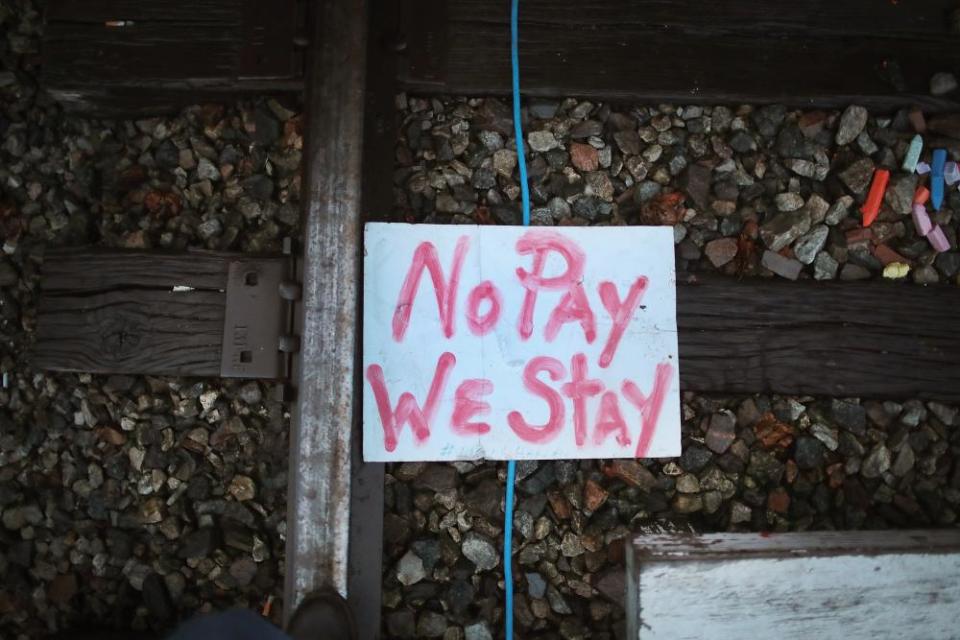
{"x":913,"y":154}
{"x":936,"y":178}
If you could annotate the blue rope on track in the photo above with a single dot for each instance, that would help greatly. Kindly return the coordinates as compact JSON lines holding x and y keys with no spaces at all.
{"x":525,"y":200}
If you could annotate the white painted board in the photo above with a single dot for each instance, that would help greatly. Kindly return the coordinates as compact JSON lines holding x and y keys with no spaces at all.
{"x":515,"y":331}
{"x":853,"y":585}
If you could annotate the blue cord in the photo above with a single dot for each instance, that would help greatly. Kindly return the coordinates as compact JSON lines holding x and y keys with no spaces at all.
{"x":525,"y":200}
{"x":508,"y":546}
{"x":517,"y":126}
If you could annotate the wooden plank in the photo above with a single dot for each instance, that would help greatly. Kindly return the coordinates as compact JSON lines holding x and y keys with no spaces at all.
{"x":874,"y":339}
{"x":143,"y":312}
{"x":133,"y":331}
{"x":133,"y":57}
{"x":811,"y":52}
{"x":869,"y":585}
{"x":323,"y":418}
{"x":85,"y":270}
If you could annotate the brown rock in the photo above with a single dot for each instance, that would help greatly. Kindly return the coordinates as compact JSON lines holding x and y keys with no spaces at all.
{"x":721,"y":251}
{"x":886,"y":255}
{"x":112,"y":436}
{"x":779,"y":500}
{"x":584,"y":157}
{"x":772,"y":433}
{"x":631,"y":472}
{"x":62,"y":588}
{"x":559,"y":504}
{"x":664,"y":209}
{"x":594,"y":495}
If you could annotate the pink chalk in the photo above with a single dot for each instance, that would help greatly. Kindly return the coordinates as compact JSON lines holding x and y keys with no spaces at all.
{"x":921,"y":220}
{"x":938,"y":240}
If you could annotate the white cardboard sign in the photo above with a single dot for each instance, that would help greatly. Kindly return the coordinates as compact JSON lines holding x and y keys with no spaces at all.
{"x":519,"y":343}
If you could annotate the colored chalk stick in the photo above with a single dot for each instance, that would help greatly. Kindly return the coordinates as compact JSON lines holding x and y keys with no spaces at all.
{"x":921,"y":220}
{"x":936,"y":178}
{"x":938,"y":240}
{"x":951,"y":173}
{"x":923,"y":168}
{"x":913,"y":154}
{"x":921,"y":195}
{"x":878,"y":187}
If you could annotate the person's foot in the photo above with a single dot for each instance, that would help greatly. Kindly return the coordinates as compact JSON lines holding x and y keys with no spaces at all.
{"x":322,"y":615}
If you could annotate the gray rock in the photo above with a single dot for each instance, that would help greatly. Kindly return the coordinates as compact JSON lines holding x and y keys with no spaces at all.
{"x":876,"y":462}
{"x":542,"y":141}
{"x":824,"y":267}
{"x":858,"y":175}
{"x":946,"y":415}
{"x":504,"y":162}
{"x":410,"y":569}
{"x":899,"y":195}
{"x":826,"y":435}
{"x":808,"y":453}
{"x":816,"y":207}
{"x":804,"y":168}
{"x":431,"y":625}
{"x":743,"y":142}
{"x":207,"y":171}
{"x":838,"y":210}
{"x":722,"y":431}
{"x":942,"y":83}
{"x":784,"y":267}
{"x":852,"y":271}
{"x":849,"y":415}
{"x":571,"y":546}
{"x":852,"y":122}
{"x":480,"y":551}
{"x":926,"y":274}
{"x":784,"y":228}
{"x":788,"y":201}
{"x":536,"y":585}
{"x":807,"y":247}
{"x":477,"y":631}
{"x":904,"y":462}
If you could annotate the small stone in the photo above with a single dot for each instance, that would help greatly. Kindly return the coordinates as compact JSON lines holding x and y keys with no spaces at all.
{"x":740,"y":512}
{"x":876,"y":462}
{"x":593,"y":495}
{"x":598,"y":184}
{"x":784,"y":267}
{"x":852,"y":122}
{"x":542,"y":141}
{"x":808,"y":453}
{"x":942,"y":83}
{"x":242,"y":488}
{"x":838,"y":210}
{"x":207,"y":171}
{"x":824,"y":267}
{"x":536,"y":585}
{"x":826,"y":435}
{"x":778,"y":500}
{"x":633,"y":473}
{"x":804,"y":168}
{"x":696,"y":184}
{"x":784,"y":228}
{"x":788,"y":201}
{"x":904,"y":462}
{"x":571,"y":546}
{"x":849,"y":415}
{"x":687,"y":503}
{"x":477,"y":631}
{"x":480,"y":551}
{"x":583,"y":156}
{"x":688,"y":483}
{"x":858,"y":175}
{"x":722,"y":431}
{"x":946,"y":415}
{"x":852,"y":272}
{"x":808,"y":246}
{"x":899,"y":194}
{"x":431,"y":625}
{"x":721,"y":251}
{"x":504,"y":162}
{"x":410,"y":569}
{"x":816,"y":207}
{"x":62,"y":589}
{"x":243,"y":570}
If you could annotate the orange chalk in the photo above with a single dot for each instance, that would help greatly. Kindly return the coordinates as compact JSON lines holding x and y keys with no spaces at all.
{"x":921,"y":195}
{"x":871,"y":208}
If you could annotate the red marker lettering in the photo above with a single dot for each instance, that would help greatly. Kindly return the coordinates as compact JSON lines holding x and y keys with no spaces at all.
{"x":578,"y":390}
{"x":573,"y":307}
{"x":407,"y":408}
{"x":426,"y":257}
{"x":540,"y":243}
{"x":649,"y":407}
{"x":482,"y":324}
{"x":466,"y":406}
{"x":541,"y":434}
{"x":619,"y":313}
{"x":610,"y":420}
